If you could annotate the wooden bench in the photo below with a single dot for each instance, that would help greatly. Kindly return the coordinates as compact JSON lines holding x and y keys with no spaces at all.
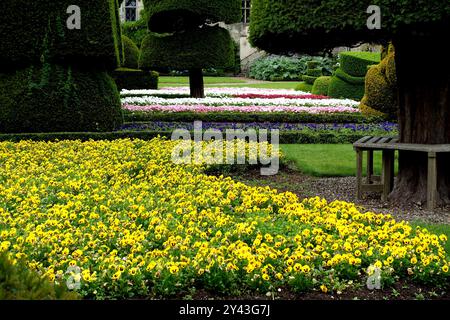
{"x":388,"y":146}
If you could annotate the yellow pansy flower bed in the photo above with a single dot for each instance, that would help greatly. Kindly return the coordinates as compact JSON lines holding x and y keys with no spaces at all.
{"x":133,"y":223}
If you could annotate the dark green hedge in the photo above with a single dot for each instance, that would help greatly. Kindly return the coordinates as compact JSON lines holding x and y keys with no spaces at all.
{"x":321,"y":86}
{"x":249,"y":117}
{"x":314,"y":72}
{"x":309,"y":79}
{"x":355,"y":63}
{"x":312,"y":25}
{"x":30,"y":30}
{"x":133,"y":79}
{"x":200,"y":48}
{"x":165,"y":16}
{"x":341,"y":89}
{"x":130,"y":53}
{"x":51,"y":97}
{"x":348,"y":78}
{"x":286,"y":137}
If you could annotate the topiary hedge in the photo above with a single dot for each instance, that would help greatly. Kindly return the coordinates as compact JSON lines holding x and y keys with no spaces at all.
{"x":341,"y":89}
{"x":199,"y":48}
{"x":381,"y":87}
{"x":166,"y":16}
{"x":30,"y":28}
{"x":303,"y":86}
{"x":130,"y":53}
{"x":355,"y":63}
{"x":134,"y":79}
{"x":348,"y":78}
{"x":321,"y":86}
{"x":54,"y":97}
{"x":310,"y":26}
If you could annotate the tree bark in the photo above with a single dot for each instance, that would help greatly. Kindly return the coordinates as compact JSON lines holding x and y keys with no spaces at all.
{"x":423,"y":75}
{"x":196,"y":83}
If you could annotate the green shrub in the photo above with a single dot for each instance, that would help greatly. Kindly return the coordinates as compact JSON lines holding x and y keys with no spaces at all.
{"x":249,"y":117}
{"x":321,"y":86}
{"x":313,"y":64}
{"x":303,"y":86}
{"x":163,"y":14}
{"x":286,"y":137}
{"x":348,"y":78}
{"x":130,"y":52}
{"x":309,"y":26}
{"x":287,"y":68}
{"x":342,"y":89}
{"x":314,"y":72}
{"x":381,"y":91}
{"x":355,"y":63}
{"x":19,"y":283}
{"x":203,"y":48}
{"x":133,"y":79}
{"x":136,"y":30}
{"x":309,"y":80}
{"x":30,"y":30}
{"x":51,"y":97}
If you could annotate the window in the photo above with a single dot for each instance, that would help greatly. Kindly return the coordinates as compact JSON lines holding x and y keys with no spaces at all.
{"x":246,"y":11}
{"x":130,"y":10}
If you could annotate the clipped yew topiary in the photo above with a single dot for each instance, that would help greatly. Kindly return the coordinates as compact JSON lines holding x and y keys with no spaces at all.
{"x":381,"y":87}
{"x":417,"y":30}
{"x":321,"y":86}
{"x":54,"y":78}
{"x":182,"y":37}
{"x":348,"y":80}
{"x":130,"y":53}
{"x":135,"y":79}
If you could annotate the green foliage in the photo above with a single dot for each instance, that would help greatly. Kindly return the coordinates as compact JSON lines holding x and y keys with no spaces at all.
{"x":381,"y":88}
{"x":199,"y":48}
{"x":348,"y":78}
{"x":303,"y":86}
{"x":321,"y":86}
{"x":309,"y":80}
{"x":249,"y":117}
{"x":131,"y":53}
{"x":134,"y":79}
{"x":167,"y":15}
{"x":342,"y":89}
{"x":288,"y":68}
{"x":52,"y":97}
{"x":286,"y":137}
{"x":314,"y":72}
{"x":19,"y":283}
{"x":31,"y":30}
{"x":355,"y":63}
{"x":313,"y":25}
{"x":136,"y":30}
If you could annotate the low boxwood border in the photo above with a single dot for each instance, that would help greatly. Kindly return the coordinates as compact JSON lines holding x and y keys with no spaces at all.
{"x":287,"y":137}
{"x":250,"y":117}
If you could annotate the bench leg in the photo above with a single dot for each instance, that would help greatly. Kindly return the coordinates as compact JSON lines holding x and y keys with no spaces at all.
{"x":432,"y":181}
{"x":388,"y":173}
{"x":369,"y":169}
{"x":359,"y":165}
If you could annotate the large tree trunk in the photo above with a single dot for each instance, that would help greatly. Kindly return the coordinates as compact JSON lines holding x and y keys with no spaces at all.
{"x":423,"y":75}
{"x":196,"y":83}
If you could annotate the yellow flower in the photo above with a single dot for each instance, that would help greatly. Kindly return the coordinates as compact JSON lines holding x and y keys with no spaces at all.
{"x":174,"y":269}
{"x":413,"y":260}
{"x":266,"y":277}
{"x":324,"y":288}
{"x":306,"y":269}
{"x":116,"y":276}
{"x":445,"y":268}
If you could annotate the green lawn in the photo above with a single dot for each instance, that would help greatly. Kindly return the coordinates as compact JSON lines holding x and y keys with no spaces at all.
{"x":165,"y":81}
{"x":183,"y":81}
{"x":270,"y":85}
{"x":326,"y":160}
